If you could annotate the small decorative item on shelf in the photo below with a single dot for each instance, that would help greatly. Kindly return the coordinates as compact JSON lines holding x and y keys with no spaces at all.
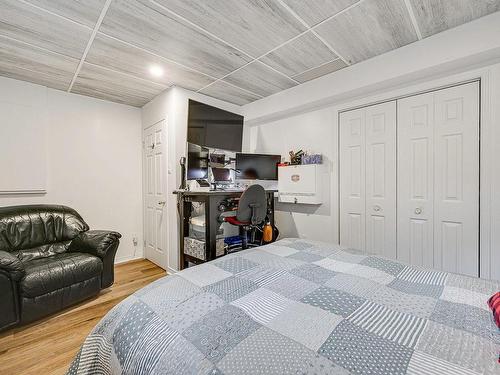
{"x":301,"y":157}
{"x":296,"y":157}
{"x":312,"y":159}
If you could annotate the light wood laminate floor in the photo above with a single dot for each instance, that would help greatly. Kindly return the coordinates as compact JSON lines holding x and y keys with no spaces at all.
{"x":49,"y":345}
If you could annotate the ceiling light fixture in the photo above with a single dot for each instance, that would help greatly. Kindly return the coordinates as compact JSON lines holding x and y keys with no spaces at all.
{"x":156,"y":71}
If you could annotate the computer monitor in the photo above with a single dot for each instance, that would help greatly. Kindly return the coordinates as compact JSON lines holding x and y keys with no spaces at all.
{"x":257,"y":166}
{"x":221,"y":174}
{"x":197,"y":163}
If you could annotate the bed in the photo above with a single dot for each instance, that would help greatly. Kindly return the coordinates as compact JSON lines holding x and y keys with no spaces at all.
{"x":299,"y":307}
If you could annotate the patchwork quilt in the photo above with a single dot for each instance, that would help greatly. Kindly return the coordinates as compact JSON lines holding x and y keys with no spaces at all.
{"x":299,"y":307}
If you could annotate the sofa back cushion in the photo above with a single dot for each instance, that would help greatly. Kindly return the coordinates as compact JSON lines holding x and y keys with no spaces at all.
{"x":44,"y":251}
{"x":39,"y":230}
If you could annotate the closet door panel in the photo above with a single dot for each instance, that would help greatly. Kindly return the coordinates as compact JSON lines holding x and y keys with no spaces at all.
{"x":381,"y":179}
{"x":456,"y":231}
{"x":352,"y":179}
{"x":438,"y":179}
{"x":415,"y":180}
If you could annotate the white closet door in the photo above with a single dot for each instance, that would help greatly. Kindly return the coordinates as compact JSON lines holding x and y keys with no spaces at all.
{"x":416,"y":180}
{"x":352,"y":179}
{"x":381,"y":179}
{"x":456,"y":209}
{"x":368,"y":179}
{"x":438,"y":179}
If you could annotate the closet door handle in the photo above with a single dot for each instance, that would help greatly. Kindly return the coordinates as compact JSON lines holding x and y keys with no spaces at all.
{"x":418,"y":211}
{"x":377,"y":208}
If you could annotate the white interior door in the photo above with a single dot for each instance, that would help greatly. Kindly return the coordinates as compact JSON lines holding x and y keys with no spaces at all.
{"x":352,"y":179}
{"x":155,"y":186}
{"x":381,"y":179}
{"x":368,"y":179}
{"x":438,"y":179}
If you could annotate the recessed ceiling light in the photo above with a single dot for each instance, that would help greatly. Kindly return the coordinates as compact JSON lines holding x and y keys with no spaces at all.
{"x":156,"y":71}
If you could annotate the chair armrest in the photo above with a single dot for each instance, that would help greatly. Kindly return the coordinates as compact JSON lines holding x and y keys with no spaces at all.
{"x":11,"y":265}
{"x":95,"y":242}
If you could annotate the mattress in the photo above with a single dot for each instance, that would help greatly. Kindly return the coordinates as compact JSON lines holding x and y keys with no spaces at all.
{"x":299,"y":307}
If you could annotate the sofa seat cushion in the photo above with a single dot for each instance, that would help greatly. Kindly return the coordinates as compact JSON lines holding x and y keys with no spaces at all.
{"x":45,"y":275}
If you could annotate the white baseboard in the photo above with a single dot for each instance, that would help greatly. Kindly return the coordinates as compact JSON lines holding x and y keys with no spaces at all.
{"x":119,"y":260}
{"x":127,"y":259}
{"x":171,"y":271}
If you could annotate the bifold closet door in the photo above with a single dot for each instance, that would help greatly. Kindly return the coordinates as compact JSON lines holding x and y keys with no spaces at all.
{"x":380,"y":162}
{"x":416,"y":180}
{"x":368,"y":179}
{"x":438,"y":179}
{"x":352,"y":179}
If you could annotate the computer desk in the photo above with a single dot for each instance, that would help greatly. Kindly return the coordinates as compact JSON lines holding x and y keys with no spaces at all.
{"x":212,"y":200}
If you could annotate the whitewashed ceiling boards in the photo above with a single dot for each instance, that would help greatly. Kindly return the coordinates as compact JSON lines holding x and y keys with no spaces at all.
{"x":235,"y":50}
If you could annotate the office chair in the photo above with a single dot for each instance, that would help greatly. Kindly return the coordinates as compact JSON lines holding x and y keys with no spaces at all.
{"x":251,"y":212}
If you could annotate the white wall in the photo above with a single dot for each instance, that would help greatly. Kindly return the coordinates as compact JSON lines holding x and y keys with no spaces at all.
{"x":306,"y":117}
{"x":172,"y":105}
{"x":311,"y":131}
{"x":93,"y":159}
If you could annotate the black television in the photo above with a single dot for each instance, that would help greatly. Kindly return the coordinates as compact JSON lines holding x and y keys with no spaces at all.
{"x":257,"y":166}
{"x":213,"y":127}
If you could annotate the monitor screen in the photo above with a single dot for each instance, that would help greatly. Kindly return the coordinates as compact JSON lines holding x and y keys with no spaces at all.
{"x":213,"y":127}
{"x":221,"y":174}
{"x":197,"y":162}
{"x":257,"y":166}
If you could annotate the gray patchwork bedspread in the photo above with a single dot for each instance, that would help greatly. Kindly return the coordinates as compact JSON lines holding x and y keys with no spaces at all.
{"x":299,"y":307}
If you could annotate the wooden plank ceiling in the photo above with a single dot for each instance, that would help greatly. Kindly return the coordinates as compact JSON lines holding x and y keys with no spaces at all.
{"x":238,"y":51}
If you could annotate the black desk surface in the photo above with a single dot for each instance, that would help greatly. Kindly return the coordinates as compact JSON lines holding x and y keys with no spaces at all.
{"x":216,"y":192}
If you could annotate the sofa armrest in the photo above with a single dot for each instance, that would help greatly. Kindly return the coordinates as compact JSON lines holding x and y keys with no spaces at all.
{"x":102,"y":244}
{"x":11,"y":265}
{"x":9,"y":307}
{"x":11,"y":271}
{"x":95,"y":242}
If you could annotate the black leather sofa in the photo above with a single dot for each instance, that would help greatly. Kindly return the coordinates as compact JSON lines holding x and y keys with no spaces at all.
{"x":50,"y":260}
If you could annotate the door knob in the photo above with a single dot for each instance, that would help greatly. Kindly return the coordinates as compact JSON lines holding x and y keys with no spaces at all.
{"x":418,"y":211}
{"x":162,"y":203}
{"x":377,"y":208}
